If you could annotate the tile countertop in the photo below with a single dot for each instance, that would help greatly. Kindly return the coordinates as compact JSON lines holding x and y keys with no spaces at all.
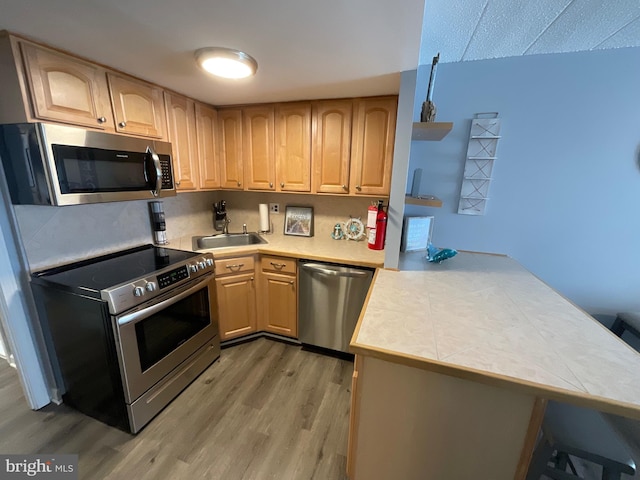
{"x":486,"y":318}
{"x":320,"y":248}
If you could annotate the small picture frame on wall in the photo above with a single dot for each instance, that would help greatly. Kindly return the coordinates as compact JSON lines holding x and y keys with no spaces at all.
{"x":298,"y":221}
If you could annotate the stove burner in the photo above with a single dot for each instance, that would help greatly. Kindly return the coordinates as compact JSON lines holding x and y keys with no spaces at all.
{"x":106,"y":271}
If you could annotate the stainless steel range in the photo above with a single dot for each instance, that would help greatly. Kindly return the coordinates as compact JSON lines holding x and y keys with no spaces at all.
{"x":130,"y":330}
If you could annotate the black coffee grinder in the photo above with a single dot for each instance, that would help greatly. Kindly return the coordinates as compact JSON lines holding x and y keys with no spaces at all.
{"x":220,"y":212}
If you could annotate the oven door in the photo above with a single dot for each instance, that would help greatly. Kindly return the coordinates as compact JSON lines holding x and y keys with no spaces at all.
{"x":157,"y":337}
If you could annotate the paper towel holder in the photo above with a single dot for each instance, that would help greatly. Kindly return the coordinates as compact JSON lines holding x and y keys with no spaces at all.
{"x":263,"y":209}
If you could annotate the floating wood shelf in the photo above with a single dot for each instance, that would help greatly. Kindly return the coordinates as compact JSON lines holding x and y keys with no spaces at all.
{"x":430,"y":131}
{"x":425,"y":201}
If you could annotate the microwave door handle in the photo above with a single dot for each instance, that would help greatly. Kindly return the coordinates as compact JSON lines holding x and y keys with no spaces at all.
{"x":156,"y":165}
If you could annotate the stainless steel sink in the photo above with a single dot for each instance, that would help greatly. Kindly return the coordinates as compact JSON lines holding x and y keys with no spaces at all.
{"x":227,"y":240}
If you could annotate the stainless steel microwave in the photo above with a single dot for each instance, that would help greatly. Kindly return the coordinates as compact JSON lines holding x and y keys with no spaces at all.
{"x":47,"y":164}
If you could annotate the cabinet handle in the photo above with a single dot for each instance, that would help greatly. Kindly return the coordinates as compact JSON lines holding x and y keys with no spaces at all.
{"x":102,"y":119}
{"x":270,"y":184}
{"x":278,"y":266}
{"x":291,"y":283}
{"x":344,"y":187}
{"x":178,"y":183}
{"x":281,"y":184}
{"x":122,"y":124}
{"x":358,"y":187}
{"x":236,"y":265}
{"x":239,"y":183}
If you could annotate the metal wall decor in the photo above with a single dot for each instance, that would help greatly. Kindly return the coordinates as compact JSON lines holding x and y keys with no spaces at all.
{"x":481,"y":155}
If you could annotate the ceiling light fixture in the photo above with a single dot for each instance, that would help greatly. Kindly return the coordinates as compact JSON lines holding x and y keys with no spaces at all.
{"x":226,"y":62}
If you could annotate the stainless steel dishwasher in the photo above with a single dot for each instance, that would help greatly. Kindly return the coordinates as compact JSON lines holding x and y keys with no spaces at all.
{"x":329,"y":302}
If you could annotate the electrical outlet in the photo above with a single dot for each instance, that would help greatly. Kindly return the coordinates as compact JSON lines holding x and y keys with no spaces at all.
{"x":274,"y":208}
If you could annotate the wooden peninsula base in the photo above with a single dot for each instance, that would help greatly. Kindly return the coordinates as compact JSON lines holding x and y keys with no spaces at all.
{"x":420,"y":425}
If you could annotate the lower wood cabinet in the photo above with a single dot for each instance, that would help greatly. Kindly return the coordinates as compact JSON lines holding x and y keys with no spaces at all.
{"x":236,"y":289}
{"x":278,"y":296}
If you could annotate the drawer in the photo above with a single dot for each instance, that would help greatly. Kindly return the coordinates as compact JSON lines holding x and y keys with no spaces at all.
{"x":278,"y":264}
{"x":228,"y":266}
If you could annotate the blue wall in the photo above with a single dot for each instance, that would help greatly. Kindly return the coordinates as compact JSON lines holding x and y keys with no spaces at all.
{"x":565,"y":195}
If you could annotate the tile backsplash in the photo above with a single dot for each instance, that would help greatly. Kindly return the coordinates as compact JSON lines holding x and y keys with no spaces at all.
{"x":242,"y":207}
{"x":56,"y":235}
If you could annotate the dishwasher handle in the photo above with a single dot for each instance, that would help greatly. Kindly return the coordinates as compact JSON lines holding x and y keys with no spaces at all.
{"x":329,"y":270}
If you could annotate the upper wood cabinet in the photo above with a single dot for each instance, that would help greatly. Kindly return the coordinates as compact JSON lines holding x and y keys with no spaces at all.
{"x":258,"y":139}
{"x":65,"y":89}
{"x":181,"y":117}
{"x":230,"y":148}
{"x":206,"y":124}
{"x":331,"y":146}
{"x":293,"y":147}
{"x":374,"y":128}
{"x":138,"y":106}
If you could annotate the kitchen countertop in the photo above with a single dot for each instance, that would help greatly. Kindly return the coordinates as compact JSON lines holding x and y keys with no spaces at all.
{"x":320,"y":248}
{"x":486,"y":318}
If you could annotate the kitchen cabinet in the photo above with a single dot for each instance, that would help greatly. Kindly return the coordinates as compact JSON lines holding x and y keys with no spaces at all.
{"x":374,"y":127}
{"x":181,"y":116}
{"x":138,"y":107}
{"x":293,"y":150}
{"x":258,"y":147}
{"x":331,"y":146}
{"x":236,"y":291}
{"x":230,"y":148}
{"x":65,"y":89}
{"x":278,"y":296}
{"x":206,"y":124}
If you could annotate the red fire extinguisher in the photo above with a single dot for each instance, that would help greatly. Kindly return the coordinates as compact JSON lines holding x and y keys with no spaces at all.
{"x":377,"y":234}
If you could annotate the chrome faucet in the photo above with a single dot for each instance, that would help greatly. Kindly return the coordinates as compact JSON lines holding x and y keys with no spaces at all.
{"x":244,"y":228}
{"x":225,"y":226}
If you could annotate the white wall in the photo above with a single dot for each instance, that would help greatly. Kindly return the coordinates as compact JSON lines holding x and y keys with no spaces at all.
{"x":566,"y":186}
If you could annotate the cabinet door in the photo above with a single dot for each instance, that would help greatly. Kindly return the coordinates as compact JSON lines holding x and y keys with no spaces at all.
{"x":293,"y":156}
{"x":138,"y":107}
{"x":280,"y":309}
{"x":230,"y":144}
{"x":236,"y":305}
{"x":67,"y":90}
{"x":259,"y":158}
{"x":374,"y":129}
{"x":182,"y":134}
{"x":206,"y":124}
{"x":331,"y":146}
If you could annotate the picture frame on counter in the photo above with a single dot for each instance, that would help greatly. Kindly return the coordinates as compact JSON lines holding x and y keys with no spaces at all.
{"x":298,"y":221}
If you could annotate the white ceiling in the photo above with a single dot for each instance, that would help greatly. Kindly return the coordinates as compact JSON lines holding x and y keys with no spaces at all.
{"x":314,"y":49}
{"x":481,"y":29}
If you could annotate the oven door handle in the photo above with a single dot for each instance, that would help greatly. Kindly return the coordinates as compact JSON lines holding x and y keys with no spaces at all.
{"x":150,"y":310}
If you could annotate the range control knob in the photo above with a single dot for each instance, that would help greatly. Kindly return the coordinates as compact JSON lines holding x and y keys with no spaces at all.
{"x":138,"y":292}
{"x":201,"y":265}
{"x":151,"y":286}
{"x":209,"y":262}
{"x":193,"y":268}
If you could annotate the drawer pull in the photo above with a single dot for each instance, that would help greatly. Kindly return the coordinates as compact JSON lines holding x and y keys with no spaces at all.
{"x":278,"y":266}
{"x":235,"y":265}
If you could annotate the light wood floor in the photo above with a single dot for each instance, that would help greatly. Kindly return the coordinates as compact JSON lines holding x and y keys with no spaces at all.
{"x":264,"y":410}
